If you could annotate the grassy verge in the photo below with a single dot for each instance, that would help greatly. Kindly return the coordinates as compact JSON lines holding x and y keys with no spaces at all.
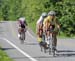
{"x":4,"y":56}
{"x":32,"y":26}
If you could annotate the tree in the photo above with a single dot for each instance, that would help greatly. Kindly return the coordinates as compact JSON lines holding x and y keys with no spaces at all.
{"x":5,"y":10}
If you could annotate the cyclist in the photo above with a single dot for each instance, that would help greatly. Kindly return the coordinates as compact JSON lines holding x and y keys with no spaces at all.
{"x":22,"y":24}
{"x":50,"y":22}
{"x":39,"y":26}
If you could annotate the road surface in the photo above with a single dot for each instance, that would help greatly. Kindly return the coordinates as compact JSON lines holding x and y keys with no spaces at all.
{"x":30,"y":50}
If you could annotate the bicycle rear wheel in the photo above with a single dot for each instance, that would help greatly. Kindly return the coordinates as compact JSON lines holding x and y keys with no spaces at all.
{"x":22,"y":37}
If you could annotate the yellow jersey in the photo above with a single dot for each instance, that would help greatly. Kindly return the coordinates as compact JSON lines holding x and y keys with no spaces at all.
{"x":47,"y":19}
{"x":47,"y":22}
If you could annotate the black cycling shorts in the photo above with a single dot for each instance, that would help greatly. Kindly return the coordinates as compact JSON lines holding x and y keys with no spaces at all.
{"x":51,"y":29}
{"x":22,"y":26}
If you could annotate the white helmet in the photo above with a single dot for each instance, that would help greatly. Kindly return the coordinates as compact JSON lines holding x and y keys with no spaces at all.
{"x":44,"y":14}
{"x":52,"y":13}
{"x":22,"y":18}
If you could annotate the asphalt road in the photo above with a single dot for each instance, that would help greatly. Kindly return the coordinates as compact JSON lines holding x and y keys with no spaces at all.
{"x":30,"y":50}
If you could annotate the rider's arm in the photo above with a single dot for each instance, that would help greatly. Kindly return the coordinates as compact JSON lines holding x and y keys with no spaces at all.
{"x":58,"y":24}
{"x":19,"y":23}
{"x":44,"y":24}
{"x":58,"y":27}
{"x":37,"y":26}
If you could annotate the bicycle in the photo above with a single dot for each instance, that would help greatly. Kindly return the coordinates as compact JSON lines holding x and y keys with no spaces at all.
{"x":43,"y":43}
{"x":41,"y":39}
{"x":51,"y":45}
{"x":22,"y":35}
{"x":44,"y":46}
{"x":50,"y":42}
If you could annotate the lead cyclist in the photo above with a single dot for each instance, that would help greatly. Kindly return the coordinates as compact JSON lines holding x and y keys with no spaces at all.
{"x":49,"y":21}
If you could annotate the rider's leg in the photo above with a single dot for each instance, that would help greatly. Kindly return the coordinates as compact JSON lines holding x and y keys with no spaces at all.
{"x":44,"y":34}
{"x":55,"y":40}
{"x":39,"y":35}
{"x":41,"y":31}
{"x":39,"y":38}
{"x":37,"y":32}
{"x":47,"y":38}
{"x":19,"y":31}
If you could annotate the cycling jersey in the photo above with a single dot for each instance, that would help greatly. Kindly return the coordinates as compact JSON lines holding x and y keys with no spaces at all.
{"x":49,"y":22}
{"x":40,"y":21}
{"x":22,"y":23}
{"x":47,"y":19}
{"x":39,"y":24}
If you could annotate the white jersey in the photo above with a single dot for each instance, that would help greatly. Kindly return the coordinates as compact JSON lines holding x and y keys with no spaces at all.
{"x":40,"y":20}
{"x":21,"y":20}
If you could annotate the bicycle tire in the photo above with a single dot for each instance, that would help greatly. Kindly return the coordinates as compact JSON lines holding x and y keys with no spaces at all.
{"x":22,"y":37}
{"x":53,"y":48}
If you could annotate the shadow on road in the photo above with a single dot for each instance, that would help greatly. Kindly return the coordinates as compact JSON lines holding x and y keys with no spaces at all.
{"x":66,"y":53}
{"x":60,"y":53}
{"x":6,"y":48}
{"x":27,"y":43}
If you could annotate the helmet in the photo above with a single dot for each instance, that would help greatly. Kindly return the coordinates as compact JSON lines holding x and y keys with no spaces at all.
{"x":52,"y":13}
{"x":22,"y":18}
{"x":44,"y":14}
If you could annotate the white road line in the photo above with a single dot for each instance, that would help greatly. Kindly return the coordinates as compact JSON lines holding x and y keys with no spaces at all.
{"x":25,"y":54}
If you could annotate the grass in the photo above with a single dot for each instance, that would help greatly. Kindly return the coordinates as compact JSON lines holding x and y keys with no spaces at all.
{"x":4,"y":56}
{"x":32,"y":26}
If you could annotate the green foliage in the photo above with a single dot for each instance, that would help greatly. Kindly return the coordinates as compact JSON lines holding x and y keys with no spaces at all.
{"x":4,"y":57}
{"x":32,"y":9}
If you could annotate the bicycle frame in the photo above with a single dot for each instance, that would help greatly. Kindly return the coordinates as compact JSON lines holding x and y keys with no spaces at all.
{"x":22,"y":35}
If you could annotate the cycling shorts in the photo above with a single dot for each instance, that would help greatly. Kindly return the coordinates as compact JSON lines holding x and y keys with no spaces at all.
{"x":52,"y":28}
{"x":22,"y":26}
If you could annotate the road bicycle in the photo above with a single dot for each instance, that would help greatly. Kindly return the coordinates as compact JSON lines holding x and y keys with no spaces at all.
{"x":22,"y":35}
{"x":50,"y":45}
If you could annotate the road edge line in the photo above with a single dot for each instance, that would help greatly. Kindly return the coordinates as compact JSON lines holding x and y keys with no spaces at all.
{"x":21,"y":51}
